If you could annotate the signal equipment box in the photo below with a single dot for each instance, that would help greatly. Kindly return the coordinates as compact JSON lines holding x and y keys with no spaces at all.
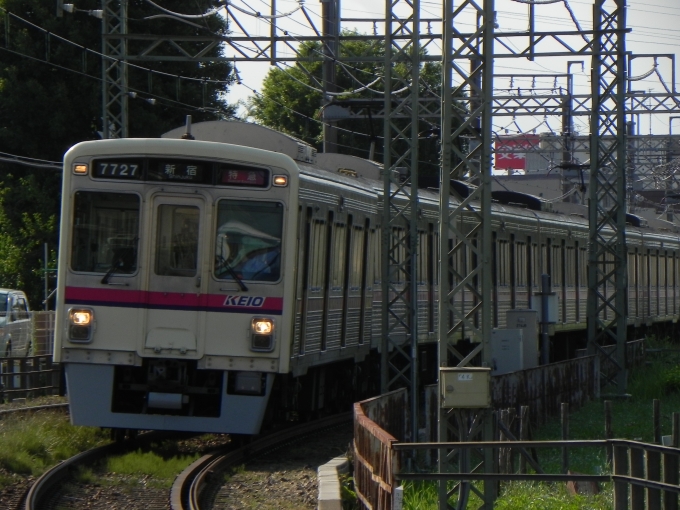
{"x":468,"y":387}
{"x":507,"y":353}
{"x":527,"y":321}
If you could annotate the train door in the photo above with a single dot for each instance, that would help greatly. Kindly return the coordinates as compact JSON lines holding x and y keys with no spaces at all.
{"x":174,"y":303}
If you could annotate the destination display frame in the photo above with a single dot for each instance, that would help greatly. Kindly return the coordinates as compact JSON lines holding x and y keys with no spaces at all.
{"x":181,"y":170}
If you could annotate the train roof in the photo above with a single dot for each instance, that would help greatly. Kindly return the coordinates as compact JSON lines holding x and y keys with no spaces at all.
{"x":248,"y":135}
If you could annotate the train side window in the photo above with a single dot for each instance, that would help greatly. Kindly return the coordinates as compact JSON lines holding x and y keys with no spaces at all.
{"x":536,"y":266}
{"x":571,"y":266}
{"x":339,"y":251}
{"x":357,"y":257}
{"x":556,"y":265}
{"x":376,"y":248}
{"x":318,"y":254}
{"x":583,"y":267}
{"x":105,"y":232}
{"x":177,"y":240}
{"x":521,"y":264}
{"x":503,"y":263}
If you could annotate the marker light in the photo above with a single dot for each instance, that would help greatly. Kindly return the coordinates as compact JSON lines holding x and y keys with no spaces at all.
{"x":80,"y":169}
{"x":81,"y":321}
{"x":281,"y":180}
{"x":262,"y":337}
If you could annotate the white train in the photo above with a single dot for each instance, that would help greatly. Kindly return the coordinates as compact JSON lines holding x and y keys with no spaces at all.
{"x":221,"y":283}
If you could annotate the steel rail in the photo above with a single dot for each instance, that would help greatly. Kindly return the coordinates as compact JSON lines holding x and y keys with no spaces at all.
{"x":189,"y":485}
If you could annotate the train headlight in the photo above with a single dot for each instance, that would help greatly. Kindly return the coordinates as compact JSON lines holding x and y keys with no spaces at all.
{"x":81,"y":323}
{"x":262,"y":334}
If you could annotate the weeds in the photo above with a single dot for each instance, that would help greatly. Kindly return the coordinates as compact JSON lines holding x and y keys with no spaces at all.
{"x":31,"y":443}
{"x":631,"y":419}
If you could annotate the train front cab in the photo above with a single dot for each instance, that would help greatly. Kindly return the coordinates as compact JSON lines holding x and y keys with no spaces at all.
{"x":164,"y":322}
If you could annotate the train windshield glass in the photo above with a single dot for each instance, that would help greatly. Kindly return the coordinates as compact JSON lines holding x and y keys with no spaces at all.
{"x":105,"y":232}
{"x":248,"y":240}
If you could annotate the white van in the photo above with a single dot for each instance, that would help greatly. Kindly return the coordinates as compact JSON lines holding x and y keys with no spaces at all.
{"x":16,"y":324}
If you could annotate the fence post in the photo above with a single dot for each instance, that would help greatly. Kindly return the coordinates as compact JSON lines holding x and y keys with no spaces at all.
{"x":620,"y":468}
{"x":564,"y":411}
{"x":670,"y":475}
{"x":608,"y":432}
{"x":523,"y":435}
{"x":24,"y":377}
{"x":653,"y":474}
{"x":9,"y":379}
{"x":512,"y":425}
{"x":637,"y":470}
{"x":503,"y":453}
{"x":656,"y":417}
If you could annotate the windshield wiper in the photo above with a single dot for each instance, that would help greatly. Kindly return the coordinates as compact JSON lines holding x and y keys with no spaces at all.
{"x":234,"y":275}
{"x":123,"y":258}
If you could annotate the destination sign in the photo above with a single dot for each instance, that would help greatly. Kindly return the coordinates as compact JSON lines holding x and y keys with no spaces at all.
{"x":179,"y":170}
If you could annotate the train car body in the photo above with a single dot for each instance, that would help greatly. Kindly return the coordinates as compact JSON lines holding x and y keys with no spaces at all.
{"x":219,"y":283}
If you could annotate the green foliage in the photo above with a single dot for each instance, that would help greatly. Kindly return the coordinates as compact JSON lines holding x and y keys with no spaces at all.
{"x":50,"y":99}
{"x":84,"y":474}
{"x":291,"y":101}
{"x":544,"y":496}
{"x":631,"y":419}
{"x":671,"y":380}
{"x":30,"y":444}
{"x":347,"y":494}
{"x":160,"y":469}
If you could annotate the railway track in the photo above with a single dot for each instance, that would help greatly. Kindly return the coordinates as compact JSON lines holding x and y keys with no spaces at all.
{"x":197,"y":484}
{"x":194,"y":488}
{"x":43,"y":494}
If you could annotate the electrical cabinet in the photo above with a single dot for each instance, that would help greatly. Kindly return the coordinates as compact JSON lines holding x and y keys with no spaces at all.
{"x":468,"y":387}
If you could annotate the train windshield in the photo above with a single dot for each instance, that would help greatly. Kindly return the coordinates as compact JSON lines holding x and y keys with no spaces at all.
{"x":105,"y":232}
{"x":248,"y":240}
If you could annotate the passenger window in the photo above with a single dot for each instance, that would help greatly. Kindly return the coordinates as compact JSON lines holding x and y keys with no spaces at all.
{"x":338,"y":250}
{"x":357,"y":258}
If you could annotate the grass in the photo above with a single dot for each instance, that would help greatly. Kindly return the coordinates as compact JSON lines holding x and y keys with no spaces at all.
{"x":31,"y":443}
{"x":631,"y":419}
{"x":158,"y":465}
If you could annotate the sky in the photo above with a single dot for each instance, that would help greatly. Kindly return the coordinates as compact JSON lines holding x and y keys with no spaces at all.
{"x":653,"y":24}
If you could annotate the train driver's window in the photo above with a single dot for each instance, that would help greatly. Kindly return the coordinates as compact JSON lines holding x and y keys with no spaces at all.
{"x":248,"y":240}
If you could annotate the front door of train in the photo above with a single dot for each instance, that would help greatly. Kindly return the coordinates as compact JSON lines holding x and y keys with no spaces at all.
{"x":174,"y":303}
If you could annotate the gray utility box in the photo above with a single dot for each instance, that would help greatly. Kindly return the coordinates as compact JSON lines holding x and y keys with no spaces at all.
{"x":527,"y":321}
{"x":468,"y":387}
{"x":507,"y":353}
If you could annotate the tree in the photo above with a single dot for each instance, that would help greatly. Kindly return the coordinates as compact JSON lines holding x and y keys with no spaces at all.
{"x":291,"y":100}
{"x":50,"y":99}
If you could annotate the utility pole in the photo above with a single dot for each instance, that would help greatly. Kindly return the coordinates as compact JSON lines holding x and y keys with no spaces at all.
{"x":330,"y":12}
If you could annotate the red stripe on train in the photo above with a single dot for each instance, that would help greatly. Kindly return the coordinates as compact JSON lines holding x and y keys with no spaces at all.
{"x":120,"y":297}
